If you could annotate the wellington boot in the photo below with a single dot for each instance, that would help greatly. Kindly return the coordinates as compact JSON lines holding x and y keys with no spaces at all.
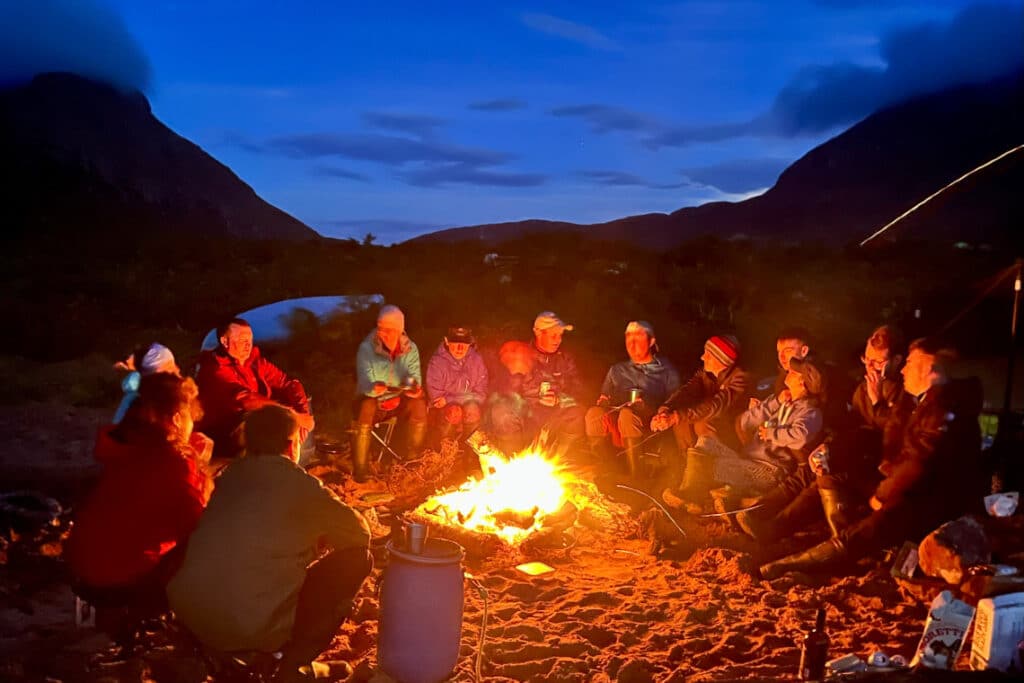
{"x":600,"y":449}
{"x":821,"y":556}
{"x":836,"y":507}
{"x":417,"y":434}
{"x":699,"y":475}
{"x":633,"y":457}
{"x":361,"y":436}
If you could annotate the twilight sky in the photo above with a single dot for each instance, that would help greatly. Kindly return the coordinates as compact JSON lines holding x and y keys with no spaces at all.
{"x":405,"y":117}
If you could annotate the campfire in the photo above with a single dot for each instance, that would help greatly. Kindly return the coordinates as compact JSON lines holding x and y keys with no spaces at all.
{"x":516,"y":498}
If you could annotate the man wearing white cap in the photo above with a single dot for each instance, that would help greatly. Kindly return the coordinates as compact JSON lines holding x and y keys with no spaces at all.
{"x":631,"y":392}
{"x":388,"y":382}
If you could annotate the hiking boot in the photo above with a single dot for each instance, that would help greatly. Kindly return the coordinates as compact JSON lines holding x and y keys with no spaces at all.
{"x":674,"y":500}
{"x":822,"y":556}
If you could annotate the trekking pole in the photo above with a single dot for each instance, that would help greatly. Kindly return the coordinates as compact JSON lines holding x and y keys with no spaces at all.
{"x":658,"y":503}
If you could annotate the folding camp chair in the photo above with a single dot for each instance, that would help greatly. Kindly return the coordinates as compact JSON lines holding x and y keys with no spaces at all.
{"x":382,"y":433}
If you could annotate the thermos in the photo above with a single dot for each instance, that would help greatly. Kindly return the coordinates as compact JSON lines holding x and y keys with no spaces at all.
{"x":421,"y":609}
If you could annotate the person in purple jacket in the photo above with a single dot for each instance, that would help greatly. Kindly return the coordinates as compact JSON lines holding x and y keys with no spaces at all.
{"x":456,"y":385}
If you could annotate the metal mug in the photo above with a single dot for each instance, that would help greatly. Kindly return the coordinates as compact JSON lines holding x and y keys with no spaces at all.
{"x":415,"y":537}
{"x":634,"y":395}
{"x":545,"y":388}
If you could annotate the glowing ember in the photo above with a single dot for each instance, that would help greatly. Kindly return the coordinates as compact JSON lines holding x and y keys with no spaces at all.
{"x":510,"y":502}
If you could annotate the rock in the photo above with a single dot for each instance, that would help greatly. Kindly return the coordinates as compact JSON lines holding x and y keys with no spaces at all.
{"x":635,"y":671}
{"x":948,"y":551}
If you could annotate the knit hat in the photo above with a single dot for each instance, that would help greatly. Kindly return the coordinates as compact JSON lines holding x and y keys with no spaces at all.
{"x":725,"y":348}
{"x":391,"y":317}
{"x":546,"y":320}
{"x":814,"y":380}
{"x":636,"y":325}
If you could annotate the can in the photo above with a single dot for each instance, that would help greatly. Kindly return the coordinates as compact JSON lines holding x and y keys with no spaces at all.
{"x":634,"y":395}
{"x":545,"y":388}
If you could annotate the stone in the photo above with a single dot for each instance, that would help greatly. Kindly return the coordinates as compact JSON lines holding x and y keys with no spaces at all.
{"x":948,"y":551}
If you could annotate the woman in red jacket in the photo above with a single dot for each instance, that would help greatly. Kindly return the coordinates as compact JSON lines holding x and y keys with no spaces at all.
{"x":130,"y":532}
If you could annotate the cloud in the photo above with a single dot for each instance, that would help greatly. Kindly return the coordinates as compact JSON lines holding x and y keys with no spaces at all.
{"x":738,"y":175}
{"x":335,"y":172}
{"x":622,"y":179}
{"x":603,"y":118}
{"x":82,"y":37}
{"x":508,"y":104}
{"x":468,"y":174}
{"x":570,"y":30}
{"x":385,"y":149}
{"x":419,"y":125}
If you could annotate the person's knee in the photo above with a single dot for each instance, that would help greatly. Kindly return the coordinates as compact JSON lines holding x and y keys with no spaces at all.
{"x":471,"y":412}
{"x":631,"y":425}
{"x":594,"y":421}
{"x":366,"y":410}
{"x":417,"y":409}
{"x":453,"y":414}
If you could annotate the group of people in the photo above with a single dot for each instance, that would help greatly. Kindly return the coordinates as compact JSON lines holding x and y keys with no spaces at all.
{"x":266,"y":558}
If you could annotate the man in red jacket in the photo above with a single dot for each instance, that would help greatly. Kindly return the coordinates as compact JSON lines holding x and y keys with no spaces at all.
{"x":235,"y":379}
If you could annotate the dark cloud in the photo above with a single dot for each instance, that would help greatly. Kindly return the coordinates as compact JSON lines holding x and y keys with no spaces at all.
{"x":603,"y":118}
{"x":509,"y":104}
{"x":385,"y":149}
{"x":622,"y":179}
{"x":414,"y":124}
{"x":335,"y":172}
{"x":468,"y":174}
{"x":739,"y":175}
{"x":82,"y":37}
{"x":570,"y":30}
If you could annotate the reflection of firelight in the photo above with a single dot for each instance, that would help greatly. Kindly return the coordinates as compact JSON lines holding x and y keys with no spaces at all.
{"x":528,"y":484}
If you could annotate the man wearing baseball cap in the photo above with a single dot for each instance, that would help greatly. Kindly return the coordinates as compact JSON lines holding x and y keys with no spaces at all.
{"x":456,"y":385}
{"x":631,"y":392}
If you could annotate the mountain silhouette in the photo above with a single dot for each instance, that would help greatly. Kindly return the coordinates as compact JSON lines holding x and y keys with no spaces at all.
{"x":846,"y":188}
{"x":79,"y":156}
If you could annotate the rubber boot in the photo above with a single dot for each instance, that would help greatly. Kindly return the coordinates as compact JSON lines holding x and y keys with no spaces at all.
{"x":820,"y":556}
{"x":361,"y":435}
{"x":417,"y":434}
{"x":836,"y":507}
{"x":599,"y":451}
{"x":632,"y":456}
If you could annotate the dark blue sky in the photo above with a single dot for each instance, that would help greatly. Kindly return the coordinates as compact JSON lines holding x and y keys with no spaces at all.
{"x":408,"y":116}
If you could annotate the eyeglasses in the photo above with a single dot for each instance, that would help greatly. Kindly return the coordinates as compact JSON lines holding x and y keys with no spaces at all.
{"x":874,"y":362}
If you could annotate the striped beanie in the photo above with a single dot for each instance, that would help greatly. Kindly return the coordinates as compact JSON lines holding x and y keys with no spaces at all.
{"x":725,"y":348}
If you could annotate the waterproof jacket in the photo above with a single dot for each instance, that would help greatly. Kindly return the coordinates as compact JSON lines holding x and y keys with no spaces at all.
{"x":876,"y":414}
{"x":229,"y":389}
{"x":148,"y":500}
{"x":456,"y":380}
{"x":558,"y":368}
{"x":936,"y":466}
{"x":374,"y":363}
{"x":239,"y":584}
{"x":713,"y":401}
{"x":796,"y":427}
{"x":656,"y":381}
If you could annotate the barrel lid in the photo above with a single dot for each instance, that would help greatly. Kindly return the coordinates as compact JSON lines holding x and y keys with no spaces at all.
{"x":435,"y":551}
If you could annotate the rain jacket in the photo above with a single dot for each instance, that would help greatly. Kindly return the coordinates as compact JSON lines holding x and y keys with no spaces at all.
{"x":558,"y":368}
{"x":714,"y":401}
{"x":229,"y":389}
{"x":375,"y":364}
{"x":239,"y":584}
{"x":148,"y":500}
{"x":656,"y":381}
{"x":457,"y":381}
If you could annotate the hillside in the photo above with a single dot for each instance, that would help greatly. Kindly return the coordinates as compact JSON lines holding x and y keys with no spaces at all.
{"x":78,"y":155}
{"x":847,"y":187}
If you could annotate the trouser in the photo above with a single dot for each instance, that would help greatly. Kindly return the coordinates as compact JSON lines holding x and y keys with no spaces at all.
{"x":632,"y":422}
{"x":367,"y":410}
{"x":325,"y":601}
{"x":455,"y":420}
{"x":749,"y":476}
{"x":889,"y":526}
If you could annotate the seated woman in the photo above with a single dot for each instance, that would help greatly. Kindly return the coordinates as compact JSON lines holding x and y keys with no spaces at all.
{"x":776,"y":434}
{"x":128,"y":534}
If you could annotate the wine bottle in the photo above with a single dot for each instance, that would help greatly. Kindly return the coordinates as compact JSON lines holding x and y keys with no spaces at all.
{"x":814,"y":652}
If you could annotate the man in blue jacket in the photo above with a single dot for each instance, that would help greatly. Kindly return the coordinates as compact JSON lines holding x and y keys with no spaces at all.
{"x":456,"y":384}
{"x":388,"y":383}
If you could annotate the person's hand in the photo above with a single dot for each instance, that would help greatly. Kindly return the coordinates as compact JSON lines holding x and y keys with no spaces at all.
{"x":762,"y":432}
{"x":202,"y":445}
{"x":818,"y":460}
{"x":753,"y":403}
{"x":873,"y":384}
{"x":603,"y":400}
{"x":439,"y":402}
{"x":379,"y":388}
{"x":785,"y":396}
{"x":414,"y":391}
{"x":875,"y":503}
{"x":638,"y":403}
{"x":305,"y":421}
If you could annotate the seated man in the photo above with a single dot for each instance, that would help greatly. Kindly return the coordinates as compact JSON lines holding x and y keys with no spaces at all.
{"x":848,"y":461}
{"x":255,"y":576}
{"x":235,"y":379}
{"x":776,"y":434}
{"x":388,"y":383}
{"x":457,"y":384}
{"x":548,"y":390}
{"x":617,"y":412}
{"x":708,"y":404}
{"x":931,"y":478}
{"x":791,"y":342}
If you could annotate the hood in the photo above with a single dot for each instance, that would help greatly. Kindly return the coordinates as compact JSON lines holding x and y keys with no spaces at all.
{"x":404,"y":344}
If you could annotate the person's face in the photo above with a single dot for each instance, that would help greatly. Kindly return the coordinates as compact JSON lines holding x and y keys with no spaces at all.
{"x":638,"y":346}
{"x":876,"y":360}
{"x":919,"y":373}
{"x":788,"y":349}
{"x":294,"y":447}
{"x":795,"y":384}
{"x":238,"y":342}
{"x":548,"y":340}
{"x":183,"y":420}
{"x":457,"y":349}
{"x":711,"y":363}
{"x":389,"y":337}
